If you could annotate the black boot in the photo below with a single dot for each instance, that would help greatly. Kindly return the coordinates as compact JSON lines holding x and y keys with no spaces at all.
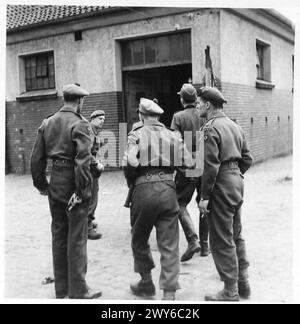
{"x":204,"y":249}
{"x":143,"y":288}
{"x":190,"y":251}
{"x":190,"y":234}
{"x":93,"y":234}
{"x":203,"y":234}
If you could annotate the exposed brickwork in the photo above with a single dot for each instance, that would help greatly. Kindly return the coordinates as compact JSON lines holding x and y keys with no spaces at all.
{"x":27,"y":116}
{"x":257,"y":111}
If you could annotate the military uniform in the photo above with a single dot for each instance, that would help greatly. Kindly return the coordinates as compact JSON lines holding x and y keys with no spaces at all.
{"x":226,"y":159}
{"x":96,"y":173}
{"x":65,"y":137}
{"x":150,"y":166}
{"x":189,"y":120}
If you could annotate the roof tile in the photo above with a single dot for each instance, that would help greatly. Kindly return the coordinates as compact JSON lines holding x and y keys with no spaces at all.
{"x":18,"y":16}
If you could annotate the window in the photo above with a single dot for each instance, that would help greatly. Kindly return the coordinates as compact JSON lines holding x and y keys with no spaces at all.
{"x":39,"y":71}
{"x":164,"y":50}
{"x":263,"y":61}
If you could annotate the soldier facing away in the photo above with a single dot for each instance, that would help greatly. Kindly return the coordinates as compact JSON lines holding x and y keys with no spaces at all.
{"x":152,"y":155}
{"x":226,"y":159}
{"x":188,"y":122}
{"x":65,"y":137}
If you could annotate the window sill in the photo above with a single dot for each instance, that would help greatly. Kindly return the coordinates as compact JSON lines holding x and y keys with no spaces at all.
{"x":37,"y":95}
{"x":261,"y":84}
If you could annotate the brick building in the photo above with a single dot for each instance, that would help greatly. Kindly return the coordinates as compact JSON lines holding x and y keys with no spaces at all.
{"x":123,"y":53}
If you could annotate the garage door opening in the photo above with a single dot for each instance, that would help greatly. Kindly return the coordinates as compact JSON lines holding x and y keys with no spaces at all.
{"x":156,"y":67}
{"x":160,"y":83}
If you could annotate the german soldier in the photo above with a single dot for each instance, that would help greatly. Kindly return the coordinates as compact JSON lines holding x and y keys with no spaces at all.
{"x":189,"y":122}
{"x":226,"y":159}
{"x":153,"y":153}
{"x":97,"y":121}
{"x":65,"y":137}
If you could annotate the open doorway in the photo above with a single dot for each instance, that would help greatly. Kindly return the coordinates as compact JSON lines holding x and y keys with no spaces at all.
{"x":161,"y":83}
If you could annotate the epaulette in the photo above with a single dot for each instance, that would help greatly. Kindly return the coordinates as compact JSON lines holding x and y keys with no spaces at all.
{"x":171,"y":129}
{"x":208,"y":125}
{"x":138,"y":126}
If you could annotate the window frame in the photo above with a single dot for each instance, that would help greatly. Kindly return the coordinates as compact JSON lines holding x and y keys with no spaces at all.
{"x":263,"y":69}
{"x":42,"y":69}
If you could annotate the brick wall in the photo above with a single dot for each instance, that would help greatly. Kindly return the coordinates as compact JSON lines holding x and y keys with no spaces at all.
{"x":23,"y":119}
{"x":265,"y":115}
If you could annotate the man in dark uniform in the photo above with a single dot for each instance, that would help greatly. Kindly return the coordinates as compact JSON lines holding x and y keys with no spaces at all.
{"x":188,"y":123}
{"x":226,"y":159}
{"x":97,"y":121}
{"x":65,"y":137}
{"x":152,"y":154}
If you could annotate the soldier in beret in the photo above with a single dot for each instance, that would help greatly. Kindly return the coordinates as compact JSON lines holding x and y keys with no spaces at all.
{"x":149,"y":164}
{"x":226,"y":159}
{"x":65,"y":137}
{"x":97,"y":121}
{"x":188,"y":122}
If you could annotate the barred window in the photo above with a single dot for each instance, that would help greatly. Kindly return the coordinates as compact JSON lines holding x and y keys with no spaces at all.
{"x":39,"y":71}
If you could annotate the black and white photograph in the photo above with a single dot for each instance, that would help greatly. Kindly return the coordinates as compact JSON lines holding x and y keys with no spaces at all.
{"x":149,"y":152}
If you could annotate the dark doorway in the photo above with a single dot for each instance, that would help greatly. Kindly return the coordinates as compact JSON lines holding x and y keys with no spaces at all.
{"x":162,"y":83}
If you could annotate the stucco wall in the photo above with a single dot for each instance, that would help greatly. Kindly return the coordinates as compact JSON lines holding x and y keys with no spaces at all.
{"x":238,"y":52}
{"x":94,"y":62}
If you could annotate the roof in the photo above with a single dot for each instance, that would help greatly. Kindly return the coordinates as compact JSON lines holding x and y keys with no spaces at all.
{"x":20,"y":16}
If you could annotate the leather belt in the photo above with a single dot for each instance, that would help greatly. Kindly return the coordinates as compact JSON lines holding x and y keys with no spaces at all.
{"x":156,"y":177}
{"x":229,"y":165}
{"x":63,"y":163}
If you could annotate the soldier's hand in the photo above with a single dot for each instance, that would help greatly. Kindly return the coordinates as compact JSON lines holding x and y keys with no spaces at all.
{"x":203,"y":207}
{"x":100,"y":167}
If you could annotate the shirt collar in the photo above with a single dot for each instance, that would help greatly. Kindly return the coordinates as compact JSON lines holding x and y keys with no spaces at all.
{"x":217,"y":114}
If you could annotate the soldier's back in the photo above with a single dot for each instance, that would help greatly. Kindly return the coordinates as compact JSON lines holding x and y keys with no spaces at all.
{"x":58,"y":134}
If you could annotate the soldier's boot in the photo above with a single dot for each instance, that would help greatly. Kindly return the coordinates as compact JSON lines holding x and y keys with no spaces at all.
{"x":190,"y":234}
{"x":90,"y":294}
{"x":145,"y":287}
{"x":229,"y":293}
{"x":169,"y":295}
{"x":93,"y":234}
{"x":243,"y":284}
{"x":203,"y":235}
{"x":204,"y":249}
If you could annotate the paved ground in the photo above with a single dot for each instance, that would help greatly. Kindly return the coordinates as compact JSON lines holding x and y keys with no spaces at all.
{"x":267,"y":220}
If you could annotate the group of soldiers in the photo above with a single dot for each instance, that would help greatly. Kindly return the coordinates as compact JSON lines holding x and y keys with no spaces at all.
{"x":161,"y":184}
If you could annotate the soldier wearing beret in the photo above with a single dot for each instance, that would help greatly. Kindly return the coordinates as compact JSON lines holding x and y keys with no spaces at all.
{"x":188,"y":122}
{"x":65,"y":137}
{"x":226,"y":159}
{"x":97,"y":121}
{"x":149,"y":164}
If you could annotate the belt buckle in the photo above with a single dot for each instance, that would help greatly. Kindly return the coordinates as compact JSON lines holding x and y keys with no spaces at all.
{"x":148,"y":176}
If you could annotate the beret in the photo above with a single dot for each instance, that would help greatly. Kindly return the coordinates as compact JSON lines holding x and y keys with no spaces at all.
{"x":74,"y":90}
{"x":97,"y":113}
{"x":211,"y":94}
{"x":149,"y":107}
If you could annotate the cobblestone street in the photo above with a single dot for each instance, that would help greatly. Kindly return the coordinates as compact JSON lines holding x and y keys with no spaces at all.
{"x":266,"y":217}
